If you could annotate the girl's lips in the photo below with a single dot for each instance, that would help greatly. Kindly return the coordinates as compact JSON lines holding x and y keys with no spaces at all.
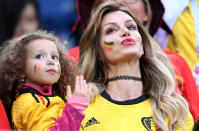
{"x":51,"y":71}
{"x":128,"y":41}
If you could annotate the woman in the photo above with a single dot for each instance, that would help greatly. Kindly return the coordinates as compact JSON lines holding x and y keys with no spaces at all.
{"x":150,"y":14}
{"x":134,"y":78}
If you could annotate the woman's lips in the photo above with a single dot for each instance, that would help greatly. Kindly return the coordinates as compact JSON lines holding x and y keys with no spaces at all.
{"x":128,"y":41}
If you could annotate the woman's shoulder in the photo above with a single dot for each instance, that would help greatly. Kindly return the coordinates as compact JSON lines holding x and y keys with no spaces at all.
{"x":188,"y":124}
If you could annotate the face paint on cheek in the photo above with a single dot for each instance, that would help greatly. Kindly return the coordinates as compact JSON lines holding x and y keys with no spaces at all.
{"x":139,"y":39}
{"x":108,"y":45}
{"x":37,"y":68}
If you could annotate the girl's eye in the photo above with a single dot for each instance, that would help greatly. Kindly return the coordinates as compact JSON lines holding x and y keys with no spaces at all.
{"x":55,"y":57}
{"x":110,"y":30}
{"x":132,"y":27}
{"x":39,"y":56}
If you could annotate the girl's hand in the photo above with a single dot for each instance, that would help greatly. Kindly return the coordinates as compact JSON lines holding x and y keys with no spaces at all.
{"x":81,"y":88}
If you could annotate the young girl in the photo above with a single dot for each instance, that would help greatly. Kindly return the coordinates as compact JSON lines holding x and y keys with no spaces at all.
{"x":34,"y":72}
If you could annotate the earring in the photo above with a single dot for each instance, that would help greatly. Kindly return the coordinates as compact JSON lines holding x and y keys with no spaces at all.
{"x":22,"y":80}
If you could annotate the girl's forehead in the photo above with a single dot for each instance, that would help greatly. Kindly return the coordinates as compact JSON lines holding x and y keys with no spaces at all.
{"x":42,"y":44}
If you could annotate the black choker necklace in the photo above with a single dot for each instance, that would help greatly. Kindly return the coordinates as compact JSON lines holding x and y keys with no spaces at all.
{"x":124,"y":77}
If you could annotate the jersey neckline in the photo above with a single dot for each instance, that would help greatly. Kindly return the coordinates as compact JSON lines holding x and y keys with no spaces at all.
{"x":140,"y":99}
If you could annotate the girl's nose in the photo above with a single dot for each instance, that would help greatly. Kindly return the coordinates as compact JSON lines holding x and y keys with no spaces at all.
{"x":50,"y":61}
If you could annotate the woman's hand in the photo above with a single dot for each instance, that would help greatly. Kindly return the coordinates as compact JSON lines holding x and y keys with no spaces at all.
{"x":81,"y":88}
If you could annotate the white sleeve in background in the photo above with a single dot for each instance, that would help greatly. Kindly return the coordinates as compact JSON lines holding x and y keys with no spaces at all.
{"x":173,"y":8}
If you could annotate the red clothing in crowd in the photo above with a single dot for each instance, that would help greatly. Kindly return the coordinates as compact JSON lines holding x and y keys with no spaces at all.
{"x":4,"y":124}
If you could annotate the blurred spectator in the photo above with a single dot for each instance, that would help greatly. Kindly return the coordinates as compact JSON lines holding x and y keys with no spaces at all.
{"x":183,"y":19}
{"x":17,"y":17}
{"x":58,"y":16}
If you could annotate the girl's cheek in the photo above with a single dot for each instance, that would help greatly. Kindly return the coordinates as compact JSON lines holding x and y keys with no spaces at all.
{"x":37,"y":68}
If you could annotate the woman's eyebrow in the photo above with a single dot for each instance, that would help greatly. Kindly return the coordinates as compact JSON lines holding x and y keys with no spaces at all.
{"x":111,"y":23}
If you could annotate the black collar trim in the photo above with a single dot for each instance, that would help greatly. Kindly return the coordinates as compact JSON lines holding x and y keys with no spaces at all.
{"x":32,"y":91}
{"x":127,"y":102}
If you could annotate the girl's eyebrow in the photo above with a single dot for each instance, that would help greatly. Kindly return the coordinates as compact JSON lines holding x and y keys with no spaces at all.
{"x":55,"y":52}
{"x":39,"y":50}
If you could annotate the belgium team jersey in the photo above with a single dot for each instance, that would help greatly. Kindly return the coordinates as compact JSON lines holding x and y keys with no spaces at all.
{"x":183,"y":40}
{"x":33,"y":111}
{"x":106,"y":114}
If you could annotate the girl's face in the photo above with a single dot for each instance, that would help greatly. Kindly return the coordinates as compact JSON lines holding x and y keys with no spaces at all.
{"x":42,"y":65}
{"x":119,"y":37}
{"x":28,"y":21}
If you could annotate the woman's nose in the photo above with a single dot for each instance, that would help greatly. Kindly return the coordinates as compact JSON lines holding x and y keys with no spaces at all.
{"x":119,"y":2}
{"x":125,"y":32}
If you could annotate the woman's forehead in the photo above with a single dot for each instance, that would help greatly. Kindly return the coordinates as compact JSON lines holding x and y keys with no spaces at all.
{"x":117,"y":17}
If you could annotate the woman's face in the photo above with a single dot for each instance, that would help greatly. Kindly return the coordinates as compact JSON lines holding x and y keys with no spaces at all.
{"x":119,"y":37}
{"x":28,"y":21}
{"x":136,"y":7}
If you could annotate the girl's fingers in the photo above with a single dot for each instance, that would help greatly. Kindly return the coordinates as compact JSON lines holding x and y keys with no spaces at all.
{"x":85,"y":85}
{"x":77,"y":83}
{"x":81,"y":83}
{"x":69,"y":92}
{"x":81,"y":88}
{"x":90,"y":90}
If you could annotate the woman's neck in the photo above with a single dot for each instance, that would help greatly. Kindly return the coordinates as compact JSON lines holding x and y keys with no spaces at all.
{"x":124,"y":89}
{"x":127,"y":68}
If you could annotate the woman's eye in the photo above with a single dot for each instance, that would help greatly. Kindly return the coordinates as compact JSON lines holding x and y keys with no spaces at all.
{"x":110,"y":30}
{"x":55,"y":57}
{"x":39,"y":56}
{"x":132,"y":27}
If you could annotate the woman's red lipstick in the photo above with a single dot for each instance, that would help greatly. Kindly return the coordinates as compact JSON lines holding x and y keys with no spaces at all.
{"x":128,"y":41}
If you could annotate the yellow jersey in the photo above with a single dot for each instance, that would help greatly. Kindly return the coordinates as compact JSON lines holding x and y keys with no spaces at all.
{"x":106,"y":114}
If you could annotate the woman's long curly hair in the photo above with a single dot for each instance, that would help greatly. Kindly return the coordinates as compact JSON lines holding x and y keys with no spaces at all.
{"x":12,"y":65}
{"x":157,"y":73}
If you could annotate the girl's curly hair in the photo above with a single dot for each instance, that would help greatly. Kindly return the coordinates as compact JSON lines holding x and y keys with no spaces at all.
{"x":12,"y":65}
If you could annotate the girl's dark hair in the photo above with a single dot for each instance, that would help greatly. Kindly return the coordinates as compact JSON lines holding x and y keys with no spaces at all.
{"x":12,"y":65}
{"x":10,"y":12}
